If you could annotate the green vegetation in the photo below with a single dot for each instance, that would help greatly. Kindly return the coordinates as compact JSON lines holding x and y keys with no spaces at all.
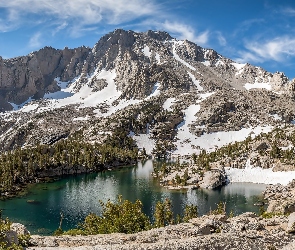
{"x":220,"y":209}
{"x":4,"y":228}
{"x":128,"y":217}
{"x":266,"y":215}
{"x":163,"y":214}
{"x":24,"y":165}
{"x":182,"y":171}
{"x":190,"y":211}
{"x":23,"y":240}
{"x":123,"y":217}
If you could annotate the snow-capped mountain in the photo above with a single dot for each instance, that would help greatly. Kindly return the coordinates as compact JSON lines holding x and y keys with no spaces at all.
{"x":166,"y":93}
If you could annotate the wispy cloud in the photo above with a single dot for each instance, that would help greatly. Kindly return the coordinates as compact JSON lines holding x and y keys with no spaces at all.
{"x":183,"y":31}
{"x":60,"y":27}
{"x":288,"y":11}
{"x":246,"y":25}
{"x":79,"y":12}
{"x":35,"y":41}
{"x":10,"y":21}
{"x":221,"y":39}
{"x":278,"y":49}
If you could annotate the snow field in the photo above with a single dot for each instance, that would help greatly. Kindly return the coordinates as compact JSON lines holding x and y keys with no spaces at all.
{"x":168,"y":103}
{"x":257,"y":85}
{"x":196,"y":82}
{"x":188,"y":143}
{"x":259,"y":175}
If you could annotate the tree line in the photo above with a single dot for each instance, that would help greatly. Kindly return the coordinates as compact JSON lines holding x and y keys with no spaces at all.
{"x":24,"y":165}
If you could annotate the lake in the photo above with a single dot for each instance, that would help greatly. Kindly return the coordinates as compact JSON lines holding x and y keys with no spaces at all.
{"x":77,"y":196}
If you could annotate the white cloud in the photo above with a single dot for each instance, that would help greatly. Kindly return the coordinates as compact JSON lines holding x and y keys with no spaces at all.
{"x":35,"y":41}
{"x":277,"y":49}
{"x":202,"y":38}
{"x":183,"y":31}
{"x":288,"y":11}
{"x":79,"y":12}
{"x":221,"y":39}
{"x":4,"y":27}
{"x":60,"y":27}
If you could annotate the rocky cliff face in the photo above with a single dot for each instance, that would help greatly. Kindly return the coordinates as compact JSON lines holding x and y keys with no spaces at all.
{"x":156,"y":87}
{"x":33,"y":75}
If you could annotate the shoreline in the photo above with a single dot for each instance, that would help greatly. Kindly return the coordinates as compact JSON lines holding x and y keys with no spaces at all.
{"x":20,"y":189}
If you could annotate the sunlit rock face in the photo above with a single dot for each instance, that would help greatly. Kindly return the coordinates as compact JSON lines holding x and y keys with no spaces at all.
{"x":157,"y":88}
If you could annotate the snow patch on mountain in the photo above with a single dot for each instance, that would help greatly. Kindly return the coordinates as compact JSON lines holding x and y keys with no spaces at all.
{"x":206,"y":63}
{"x":124,"y":102}
{"x":64,"y":92}
{"x":85,"y":95}
{"x":158,"y":58}
{"x":81,"y":118}
{"x":113,"y":109}
{"x":178,"y":58}
{"x":168,"y":103}
{"x":144,"y":141}
{"x":219,"y":63}
{"x":259,"y":175}
{"x":20,"y":106}
{"x":156,"y":91}
{"x":146,"y":51}
{"x":257,"y":85}
{"x":189,"y":143}
{"x":29,"y":107}
{"x":205,"y":95}
{"x":276,"y":117}
{"x":195,"y":81}
{"x":239,"y":67}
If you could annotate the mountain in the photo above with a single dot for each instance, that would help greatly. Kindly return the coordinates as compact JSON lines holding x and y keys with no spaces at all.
{"x":169,"y":95}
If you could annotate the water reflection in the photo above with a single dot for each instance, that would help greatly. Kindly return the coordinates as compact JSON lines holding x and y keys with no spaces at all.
{"x":77,"y":196}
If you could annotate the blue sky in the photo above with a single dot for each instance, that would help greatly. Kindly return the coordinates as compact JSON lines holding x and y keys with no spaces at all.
{"x":261,"y":32}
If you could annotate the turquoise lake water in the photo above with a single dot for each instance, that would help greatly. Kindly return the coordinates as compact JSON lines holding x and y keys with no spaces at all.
{"x":77,"y":196}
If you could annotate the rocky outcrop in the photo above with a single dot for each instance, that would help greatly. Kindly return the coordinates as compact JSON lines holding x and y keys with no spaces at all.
{"x":11,"y":236}
{"x":213,"y":179}
{"x":19,"y":228}
{"x":33,"y":75}
{"x":281,"y":199}
{"x":246,"y":231}
{"x":279,"y":81}
{"x":291,"y":223}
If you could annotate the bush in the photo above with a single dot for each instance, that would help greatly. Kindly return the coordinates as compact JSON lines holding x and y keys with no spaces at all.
{"x":190,"y":211}
{"x":4,"y":228}
{"x":163,"y":214}
{"x":58,"y":232}
{"x":128,"y":217}
{"x":121,"y":217}
{"x":220,"y":209}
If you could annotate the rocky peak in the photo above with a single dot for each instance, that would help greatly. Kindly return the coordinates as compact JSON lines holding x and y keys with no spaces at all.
{"x":159,"y":35}
{"x":126,"y":71}
{"x":279,"y":80}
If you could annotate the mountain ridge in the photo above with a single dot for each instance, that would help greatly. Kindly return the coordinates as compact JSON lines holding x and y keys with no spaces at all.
{"x":41,"y":67}
{"x":169,"y":95}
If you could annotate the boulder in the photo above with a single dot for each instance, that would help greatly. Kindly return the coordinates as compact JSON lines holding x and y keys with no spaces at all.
{"x":291,"y":223}
{"x":213,"y":179}
{"x":10,"y":238}
{"x":20,"y":229}
{"x":281,"y":206}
